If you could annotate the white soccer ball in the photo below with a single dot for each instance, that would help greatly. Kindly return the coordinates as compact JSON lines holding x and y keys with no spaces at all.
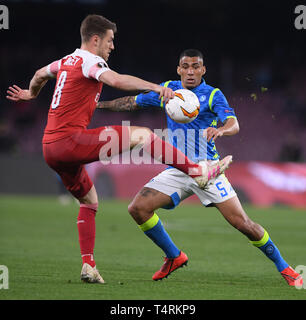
{"x":184,"y":107}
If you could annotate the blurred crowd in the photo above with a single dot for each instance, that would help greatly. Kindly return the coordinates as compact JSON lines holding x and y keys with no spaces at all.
{"x":262,"y":75}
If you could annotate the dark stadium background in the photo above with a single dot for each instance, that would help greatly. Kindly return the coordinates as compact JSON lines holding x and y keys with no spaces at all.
{"x":252,"y":51}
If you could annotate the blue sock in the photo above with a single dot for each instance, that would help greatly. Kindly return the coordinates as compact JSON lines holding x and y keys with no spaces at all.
{"x":267,"y":246}
{"x":154,"y":229}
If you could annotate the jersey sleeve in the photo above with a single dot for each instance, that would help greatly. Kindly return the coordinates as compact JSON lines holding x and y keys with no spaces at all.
{"x":93,"y":67}
{"x":219,"y":105}
{"x":52,"y":68}
{"x":150,"y":99}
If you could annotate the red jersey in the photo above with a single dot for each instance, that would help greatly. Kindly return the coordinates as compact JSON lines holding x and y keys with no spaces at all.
{"x":76,"y":93}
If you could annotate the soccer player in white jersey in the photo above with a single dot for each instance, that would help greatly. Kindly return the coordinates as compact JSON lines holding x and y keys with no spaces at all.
{"x":171,"y":186}
{"x":67,"y":143}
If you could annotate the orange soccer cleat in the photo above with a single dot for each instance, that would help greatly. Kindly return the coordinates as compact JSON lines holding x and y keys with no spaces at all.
{"x":293,"y":278}
{"x":170,"y":265}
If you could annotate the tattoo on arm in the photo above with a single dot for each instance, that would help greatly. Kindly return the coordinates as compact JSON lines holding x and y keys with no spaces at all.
{"x":122,"y":104}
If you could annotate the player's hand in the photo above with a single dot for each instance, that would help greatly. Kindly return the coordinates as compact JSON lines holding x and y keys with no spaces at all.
{"x":165,"y":93}
{"x":17,"y":94}
{"x":213,"y":133}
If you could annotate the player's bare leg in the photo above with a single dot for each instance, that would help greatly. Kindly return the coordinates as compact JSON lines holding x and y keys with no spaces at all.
{"x":168,"y":154}
{"x":233,"y":212}
{"x":142,"y":210}
{"x":87,"y":230}
{"x":146,"y":201}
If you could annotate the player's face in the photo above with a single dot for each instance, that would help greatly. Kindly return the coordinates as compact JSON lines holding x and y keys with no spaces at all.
{"x":191,"y":70}
{"x":106,"y":45}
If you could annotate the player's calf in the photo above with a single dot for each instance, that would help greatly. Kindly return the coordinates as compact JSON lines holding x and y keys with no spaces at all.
{"x":87,"y":232}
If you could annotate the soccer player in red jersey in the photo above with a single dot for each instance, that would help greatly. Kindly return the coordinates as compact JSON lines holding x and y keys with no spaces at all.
{"x":67,"y":143}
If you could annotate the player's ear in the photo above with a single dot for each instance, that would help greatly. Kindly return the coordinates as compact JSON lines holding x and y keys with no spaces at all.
{"x":204,"y":70}
{"x":95,"y":39}
{"x":178,"y":70}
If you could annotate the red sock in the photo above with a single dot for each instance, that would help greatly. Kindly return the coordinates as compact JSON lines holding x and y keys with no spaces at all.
{"x":168,"y":154}
{"x":87,"y":231}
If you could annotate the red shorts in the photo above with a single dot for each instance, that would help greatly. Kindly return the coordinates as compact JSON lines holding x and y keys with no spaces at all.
{"x":69,"y":155}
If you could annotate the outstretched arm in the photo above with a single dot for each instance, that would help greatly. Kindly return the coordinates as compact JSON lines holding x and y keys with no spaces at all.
{"x":121,"y":104}
{"x":131,"y":83}
{"x":39,"y":79}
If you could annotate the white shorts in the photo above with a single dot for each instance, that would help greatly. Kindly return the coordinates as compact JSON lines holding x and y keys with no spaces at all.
{"x":180,"y":186}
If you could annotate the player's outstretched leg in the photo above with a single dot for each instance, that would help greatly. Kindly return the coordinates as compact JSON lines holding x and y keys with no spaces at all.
{"x":142,"y":210}
{"x":168,"y":154}
{"x":233,"y":212}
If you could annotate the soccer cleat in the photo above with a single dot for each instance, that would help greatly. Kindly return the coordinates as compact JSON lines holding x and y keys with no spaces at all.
{"x":170,"y":265}
{"x":211,"y":171}
{"x":293,"y":278}
{"x":90,"y":274}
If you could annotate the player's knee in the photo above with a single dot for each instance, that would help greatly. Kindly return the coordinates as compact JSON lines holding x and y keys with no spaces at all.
{"x":146,"y":132}
{"x":133,"y":209}
{"x":89,"y":202}
{"x":140,"y":135}
{"x":137,"y":210}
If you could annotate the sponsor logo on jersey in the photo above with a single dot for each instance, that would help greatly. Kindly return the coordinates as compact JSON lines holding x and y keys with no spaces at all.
{"x":102,"y":65}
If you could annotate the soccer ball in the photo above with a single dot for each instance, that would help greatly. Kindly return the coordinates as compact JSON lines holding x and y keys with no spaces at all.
{"x":184,"y":107}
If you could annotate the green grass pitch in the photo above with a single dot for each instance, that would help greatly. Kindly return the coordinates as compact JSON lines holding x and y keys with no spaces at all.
{"x":39,"y":245}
